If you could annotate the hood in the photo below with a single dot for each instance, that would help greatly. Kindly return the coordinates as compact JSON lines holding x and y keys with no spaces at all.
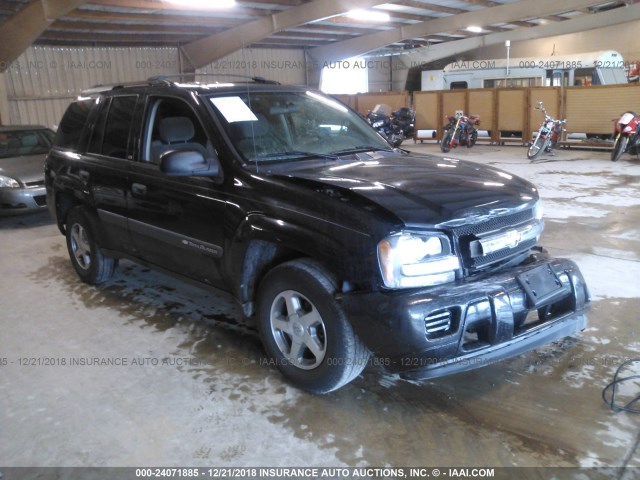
{"x":423,"y":190}
{"x":24,"y":169}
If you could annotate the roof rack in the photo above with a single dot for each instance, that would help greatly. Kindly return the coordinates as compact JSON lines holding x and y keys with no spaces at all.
{"x":165,"y":78}
{"x":99,"y":88}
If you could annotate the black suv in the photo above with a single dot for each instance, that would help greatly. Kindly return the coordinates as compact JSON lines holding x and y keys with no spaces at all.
{"x":348,"y":252}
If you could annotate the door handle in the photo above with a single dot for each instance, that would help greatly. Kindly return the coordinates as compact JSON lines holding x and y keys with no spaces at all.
{"x":139,"y":189}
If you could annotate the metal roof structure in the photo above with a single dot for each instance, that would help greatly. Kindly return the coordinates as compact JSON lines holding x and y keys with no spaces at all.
{"x":208,"y":33}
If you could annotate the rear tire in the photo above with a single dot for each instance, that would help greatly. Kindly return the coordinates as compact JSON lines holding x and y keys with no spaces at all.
{"x":473,"y":137}
{"x":91,"y":265}
{"x":619,"y":147}
{"x":303,"y":329}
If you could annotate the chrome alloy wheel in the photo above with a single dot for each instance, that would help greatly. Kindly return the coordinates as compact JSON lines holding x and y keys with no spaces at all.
{"x":80,"y":246}
{"x":298,"y":330}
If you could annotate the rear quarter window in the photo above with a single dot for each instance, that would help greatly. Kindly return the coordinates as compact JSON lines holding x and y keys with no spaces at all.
{"x":72,"y":124}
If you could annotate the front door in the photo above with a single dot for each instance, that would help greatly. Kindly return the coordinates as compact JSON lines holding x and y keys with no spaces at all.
{"x":175,"y":222}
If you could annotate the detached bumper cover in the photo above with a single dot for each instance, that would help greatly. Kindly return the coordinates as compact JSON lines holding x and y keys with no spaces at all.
{"x":439,"y":331}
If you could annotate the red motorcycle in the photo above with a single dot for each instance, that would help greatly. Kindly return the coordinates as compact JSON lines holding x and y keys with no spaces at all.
{"x":627,"y":135}
{"x":460,"y":130}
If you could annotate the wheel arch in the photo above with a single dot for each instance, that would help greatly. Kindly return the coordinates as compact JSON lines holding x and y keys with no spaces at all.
{"x":64,"y":202}
{"x":261,"y":243}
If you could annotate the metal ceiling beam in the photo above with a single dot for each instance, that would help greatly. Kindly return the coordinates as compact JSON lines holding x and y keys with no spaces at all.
{"x":123,"y":28}
{"x":21,"y":30}
{"x":152,"y":18}
{"x":489,"y":16}
{"x":578,"y":24}
{"x":162,"y":6}
{"x":214,"y":47}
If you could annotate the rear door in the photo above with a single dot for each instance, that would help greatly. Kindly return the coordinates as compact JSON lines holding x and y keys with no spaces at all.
{"x":105,"y":166}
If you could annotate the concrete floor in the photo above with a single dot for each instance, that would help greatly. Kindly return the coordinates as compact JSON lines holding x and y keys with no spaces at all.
{"x":201,"y":396}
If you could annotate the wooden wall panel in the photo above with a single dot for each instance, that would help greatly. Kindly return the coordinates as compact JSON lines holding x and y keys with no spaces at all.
{"x":512,"y":103}
{"x":482,"y":102}
{"x":551,"y":99}
{"x":453,"y":100}
{"x":591,"y":109}
{"x":396,"y":100}
{"x":426,"y":107}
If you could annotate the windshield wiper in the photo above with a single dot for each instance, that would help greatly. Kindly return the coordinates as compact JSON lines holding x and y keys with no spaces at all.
{"x":297,"y":153}
{"x":361,"y":148}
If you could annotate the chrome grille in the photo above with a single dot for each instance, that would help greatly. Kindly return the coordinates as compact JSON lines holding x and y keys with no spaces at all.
{"x":465,"y":234}
{"x":495,"y":224}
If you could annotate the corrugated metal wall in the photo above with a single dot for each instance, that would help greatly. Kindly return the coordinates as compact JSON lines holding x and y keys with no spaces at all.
{"x":287,"y":66}
{"x":44,"y":80}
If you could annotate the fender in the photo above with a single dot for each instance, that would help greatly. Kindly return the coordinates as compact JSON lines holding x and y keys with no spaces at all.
{"x":261,"y":242}
{"x":63,"y":192}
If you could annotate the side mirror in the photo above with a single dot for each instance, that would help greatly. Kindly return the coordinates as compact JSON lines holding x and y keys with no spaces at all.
{"x":189,"y":163}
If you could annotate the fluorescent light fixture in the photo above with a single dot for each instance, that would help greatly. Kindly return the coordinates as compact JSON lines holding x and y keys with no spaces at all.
{"x":203,"y":4}
{"x":474,"y":29}
{"x":368,"y":15}
{"x":390,"y":6}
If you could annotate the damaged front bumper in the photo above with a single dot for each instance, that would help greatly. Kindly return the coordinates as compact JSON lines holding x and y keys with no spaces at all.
{"x":432,"y":332}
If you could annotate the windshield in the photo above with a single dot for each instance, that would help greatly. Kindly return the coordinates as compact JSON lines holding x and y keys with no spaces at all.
{"x":21,"y":143}
{"x":284,"y":126}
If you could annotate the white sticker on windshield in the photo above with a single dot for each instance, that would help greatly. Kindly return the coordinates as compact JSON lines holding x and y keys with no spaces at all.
{"x":234,"y":109}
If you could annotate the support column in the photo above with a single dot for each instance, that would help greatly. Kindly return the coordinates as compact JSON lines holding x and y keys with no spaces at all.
{"x":4,"y":101}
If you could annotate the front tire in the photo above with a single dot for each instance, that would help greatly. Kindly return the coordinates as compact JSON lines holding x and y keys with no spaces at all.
{"x":396,"y":139}
{"x":619,"y":147}
{"x":88,"y":260}
{"x":445,"y":144}
{"x":536,"y":148}
{"x":303,"y":329}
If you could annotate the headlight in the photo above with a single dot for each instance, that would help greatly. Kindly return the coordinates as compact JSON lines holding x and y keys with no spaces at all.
{"x":416,"y":260}
{"x":8,"y":182}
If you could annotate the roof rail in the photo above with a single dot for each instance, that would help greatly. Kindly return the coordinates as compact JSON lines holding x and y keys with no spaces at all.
{"x":166,"y":78}
{"x":99,"y":88}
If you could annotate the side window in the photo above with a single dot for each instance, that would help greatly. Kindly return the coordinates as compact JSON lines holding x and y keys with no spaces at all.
{"x":171,"y":124}
{"x":72,"y":124}
{"x":95,"y":144}
{"x":458,"y":85}
{"x":118,"y":126}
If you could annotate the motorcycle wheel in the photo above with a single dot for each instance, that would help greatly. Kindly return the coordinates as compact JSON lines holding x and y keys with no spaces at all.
{"x":619,"y":147}
{"x":473,"y":137}
{"x":536,"y":148}
{"x":396,"y":140}
{"x":445,"y":143}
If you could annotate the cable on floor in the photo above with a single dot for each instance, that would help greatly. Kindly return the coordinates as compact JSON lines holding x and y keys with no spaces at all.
{"x":610,"y":393}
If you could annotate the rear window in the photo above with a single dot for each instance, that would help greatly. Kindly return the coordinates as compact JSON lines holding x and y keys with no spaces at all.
{"x":72,"y":124}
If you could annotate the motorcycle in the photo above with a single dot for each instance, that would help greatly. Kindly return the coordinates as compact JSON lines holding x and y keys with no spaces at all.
{"x":460,"y":130}
{"x":627,"y":135}
{"x":548,"y":134}
{"x":380,"y":119}
{"x":405,"y":118}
